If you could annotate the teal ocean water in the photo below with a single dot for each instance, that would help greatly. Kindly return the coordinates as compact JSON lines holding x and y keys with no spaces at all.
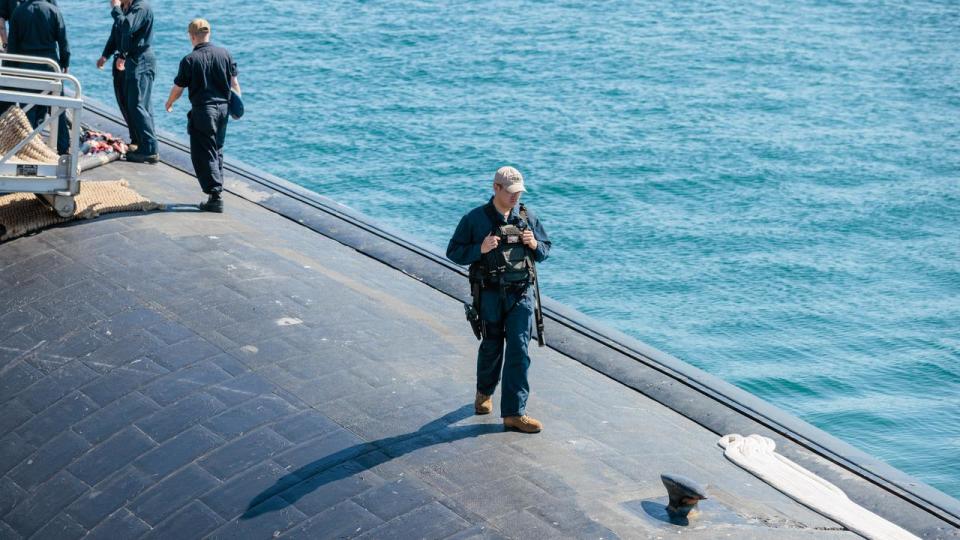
{"x":767,"y":190}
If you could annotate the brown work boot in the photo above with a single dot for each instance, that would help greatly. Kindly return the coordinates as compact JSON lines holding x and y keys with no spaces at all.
{"x":482,"y":404}
{"x":522,"y":423}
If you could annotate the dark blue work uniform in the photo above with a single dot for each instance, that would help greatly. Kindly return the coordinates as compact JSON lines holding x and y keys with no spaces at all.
{"x":135,"y":37}
{"x":7,"y":8}
{"x":512,"y":311}
{"x":111,"y":48}
{"x":207,"y":72}
{"x":37,"y":29}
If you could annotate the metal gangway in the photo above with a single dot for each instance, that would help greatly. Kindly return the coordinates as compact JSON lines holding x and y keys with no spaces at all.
{"x":56,"y":183}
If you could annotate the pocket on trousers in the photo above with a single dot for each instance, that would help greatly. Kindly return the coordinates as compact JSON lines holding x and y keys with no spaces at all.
{"x":202,"y":122}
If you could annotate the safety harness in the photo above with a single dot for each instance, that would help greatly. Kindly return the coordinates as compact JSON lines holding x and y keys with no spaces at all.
{"x":508,"y":268}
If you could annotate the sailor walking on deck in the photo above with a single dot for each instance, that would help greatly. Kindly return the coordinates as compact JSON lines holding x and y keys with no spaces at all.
{"x":210,"y":73}
{"x":501,"y":241}
{"x":139,"y":64}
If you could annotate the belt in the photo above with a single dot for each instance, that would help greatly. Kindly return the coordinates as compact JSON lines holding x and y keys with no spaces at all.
{"x":136,"y":53}
{"x":509,"y":287}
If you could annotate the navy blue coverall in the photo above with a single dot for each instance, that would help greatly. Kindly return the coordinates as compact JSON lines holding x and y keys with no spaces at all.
{"x":207,"y":73}
{"x":119,"y":84}
{"x":513,"y":312}
{"x":135,"y":32}
{"x":37,"y":29}
{"x":6,"y":12}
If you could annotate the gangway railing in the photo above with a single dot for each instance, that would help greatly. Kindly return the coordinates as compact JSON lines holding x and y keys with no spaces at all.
{"x":56,"y":183}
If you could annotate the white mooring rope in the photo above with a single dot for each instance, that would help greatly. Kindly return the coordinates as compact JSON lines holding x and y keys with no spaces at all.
{"x":756,"y":454}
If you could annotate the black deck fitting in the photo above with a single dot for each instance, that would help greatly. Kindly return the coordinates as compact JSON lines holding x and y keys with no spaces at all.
{"x":684,"y":494}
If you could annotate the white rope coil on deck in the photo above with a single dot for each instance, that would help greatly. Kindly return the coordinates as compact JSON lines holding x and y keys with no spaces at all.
{"x":756,"y":454}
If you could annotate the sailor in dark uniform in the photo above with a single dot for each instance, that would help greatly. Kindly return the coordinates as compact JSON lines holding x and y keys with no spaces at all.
{"x":37,"y":29}
{"x":135,"y":33}
{"x":209,"y":72}
{"x":6,"y":12}
{"x":111,"y":50}
{"x":506,"y":299}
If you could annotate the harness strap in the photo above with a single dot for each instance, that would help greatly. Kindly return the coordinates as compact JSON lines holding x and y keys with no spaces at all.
{"x":496,"y":329}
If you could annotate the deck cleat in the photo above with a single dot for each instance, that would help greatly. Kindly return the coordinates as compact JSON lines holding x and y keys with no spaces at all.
{"x":684,"y":495}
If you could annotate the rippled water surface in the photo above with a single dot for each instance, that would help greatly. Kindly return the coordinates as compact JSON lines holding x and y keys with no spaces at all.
{"x":768,"y":190}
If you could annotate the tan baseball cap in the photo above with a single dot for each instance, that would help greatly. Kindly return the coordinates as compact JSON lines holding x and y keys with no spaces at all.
{"x":198,"y":26}
{"x":510,"y":179}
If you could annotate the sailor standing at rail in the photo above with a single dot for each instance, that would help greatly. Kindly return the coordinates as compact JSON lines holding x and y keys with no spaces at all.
{"x":112,"y":49}
{"x":209,"y":72}
{"x":135,"y":32}
{"x":37,"y":29}
{"x":498,"y":241}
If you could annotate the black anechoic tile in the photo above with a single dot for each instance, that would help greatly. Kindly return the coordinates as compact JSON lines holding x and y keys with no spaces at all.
{"x":61,"y":527}
{"x":165,"y":498}
{"x":16,"y":377}
{"x":305,"y":426}
{"x":184,"y":353}
{"x":58,"y":417}
{"x":49,"y":460}
{"x":111,"y":419}
{"x":171,"y":331}
{"x":120,"y":525}
{"x":76,"y":345}
{"x":120,"y":381}
{"x":327,"y":451}
{"x":10,"y":495}
{"x":259,"y":354}
{"x":16,"y":320}
{"x":249,"y":489}
{"x":108,"y":496}
{"x":14,"y":414}
{"x":13,"y":450}
{"x":244,"y":453}
{"x":194,"y":521}
{"x":343,"y":520}
{"x":248,"y":415}
{"x":45,"y":503}
{"x":178,"y":452}
{"x":111,"y":455}
{"x":241,"y":389}
{"x":432,"y":521}
{"x":56,"y":385}
{"x":331,"y":486}
{"x":277,"y":517}
{"x":396,"y":498}
{"x":126,"y":349}
{"x":129,"y":321}
{"x":178,"y":384}
{"x":171,"y":420}
{"x":230,"y":364}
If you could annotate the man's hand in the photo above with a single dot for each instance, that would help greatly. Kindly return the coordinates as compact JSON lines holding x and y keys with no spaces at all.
{"x":529,"y":240}
{"x":101,"y":62}
{"x":121,"y":64}
{"x":489,"y":243}
{"x":169,"y":106}
{"x":114,"y":3}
